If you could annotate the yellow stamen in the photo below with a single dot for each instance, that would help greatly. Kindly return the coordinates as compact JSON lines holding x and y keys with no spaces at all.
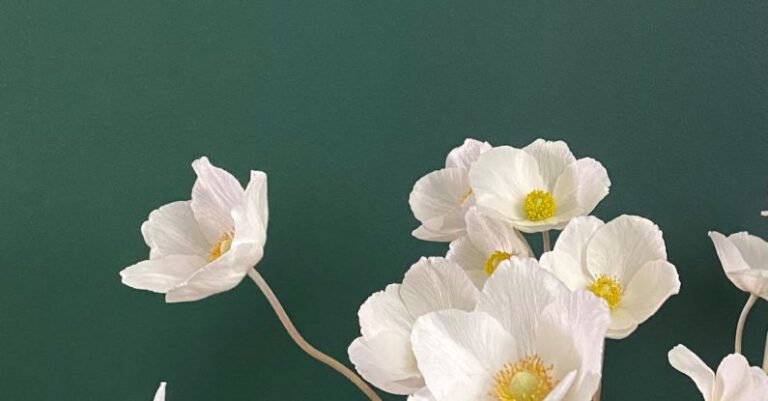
{"x":494,"y":260}
{"x":527,"y":380}
{"x":539,"y":205}
{"x":465,"y":196}
{"x":609,"y":289}
{"x":221,"y":247}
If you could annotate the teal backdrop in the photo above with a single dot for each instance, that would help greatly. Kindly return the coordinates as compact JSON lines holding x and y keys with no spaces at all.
{"x":345,"y":104}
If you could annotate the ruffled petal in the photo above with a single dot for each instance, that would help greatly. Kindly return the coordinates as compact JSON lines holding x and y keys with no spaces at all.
{"x":581,"y":186}
{"x":686,"y":362}
{"x":464,"y":253}
{"x":460,"y":352}
{"x":734,"y":381}
{"x":439,"y":201}
{"x":384,"y":311}
{"x":575,"y":237}
{"x":466,"y":154}
{"x":651,"y":286}
{"x":433,"y":284}
{"x":491,"y":235}
{"x":552,"y":157}
{"x":161,"y":274}
{"x":387,"y":362}
{"x":215,"y":193}
{"x":754,"y":250}
{"x":173,"y":230}
{"x":567,"y":270}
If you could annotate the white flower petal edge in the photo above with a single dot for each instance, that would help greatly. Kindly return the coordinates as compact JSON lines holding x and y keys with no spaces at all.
{"x":735,"y":380}
{"x":383,"y":353}
{"x":160,"y":395}
{"x":440,"y":199}
{"x":743,"y":257}
{"x":205,"y":246}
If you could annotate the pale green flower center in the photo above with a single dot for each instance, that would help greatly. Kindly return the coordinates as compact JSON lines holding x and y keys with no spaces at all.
{"x":527,"y":380}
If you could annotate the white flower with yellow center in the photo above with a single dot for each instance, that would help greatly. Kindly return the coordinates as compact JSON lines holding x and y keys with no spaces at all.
{"x":745,"y":261}
{"x":160,"y":395}
{"x":735,"y":380}
{"x":624,"y":262}
{"x":383,"y":354}
{"x":204,"y":246}
{"x":440,"y":198}
{"x":529,"y":339}
{"x":537,"y":188}
{"x":488,"y":242}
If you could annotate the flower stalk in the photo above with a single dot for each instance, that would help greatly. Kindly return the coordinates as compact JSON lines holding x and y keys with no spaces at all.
{"x":546,"y":244}
{"x":302,"y":343}
{"x":742,"y":320}
{"x":765,"y":355}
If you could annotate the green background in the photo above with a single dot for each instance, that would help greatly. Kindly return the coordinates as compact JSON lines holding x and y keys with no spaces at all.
{"x":345,"y":104}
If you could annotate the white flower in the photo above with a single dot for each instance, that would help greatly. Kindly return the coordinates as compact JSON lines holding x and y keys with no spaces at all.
{"x":745,"y":260}
{"x":383,"y":354}
{"x":204,"y":246}
{"x":488,"y":242}
{"x":440,"y":198}
{"x":530,"y":338}
{"x":160,"y":395}
{"x":537,"y":188}
{"x":623,"y":262}
{"x":735,"y":379}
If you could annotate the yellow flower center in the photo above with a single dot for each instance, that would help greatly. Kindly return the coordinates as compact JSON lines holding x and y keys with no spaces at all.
{"x":494,"y":260}
{"x":527,"y":380}
{"x":609,"y":289}
{"x":539,"y":205}
{"x":465,"y":196}
{"x":221,"y":247}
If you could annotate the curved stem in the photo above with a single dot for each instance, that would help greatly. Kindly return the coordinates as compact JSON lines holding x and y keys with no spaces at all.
{"x":303,"y":344}
{"x":765,"y":355}
{"x":742,"y":320}
{"x":546,"y":245}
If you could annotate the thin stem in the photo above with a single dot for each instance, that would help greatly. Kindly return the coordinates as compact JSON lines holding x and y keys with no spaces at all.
{"x":742,"y":320}
{"x":765,"y":355}
{"x":596,"y":396}
{"x":545,"y":241}
{"x":303,"y":344}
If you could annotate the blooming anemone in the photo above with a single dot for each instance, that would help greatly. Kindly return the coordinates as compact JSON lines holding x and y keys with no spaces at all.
{"x":745,"y":260}
{"x":488,"y":242}
{"x":529,"y":339}
{"x":440,"y":198}
{"x":623,"y":262}
{"x":539,"y":187}
{"x":735,"y":380}
{"x":204,"y":246}
{"x":383,"y":354}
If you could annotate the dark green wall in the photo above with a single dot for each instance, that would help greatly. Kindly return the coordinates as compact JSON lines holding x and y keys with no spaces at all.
{"x":103,"y":105}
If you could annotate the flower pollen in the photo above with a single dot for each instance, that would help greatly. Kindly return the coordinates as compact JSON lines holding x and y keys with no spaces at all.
{"x":494,"y":260}
{"x":539,"y":205}
{"x":221,"y":247}
{"x":527,"y":380}
{"x":609,"y":289}
{"x":465,"y":196}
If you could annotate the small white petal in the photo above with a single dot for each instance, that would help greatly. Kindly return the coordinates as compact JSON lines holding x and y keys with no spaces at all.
{"x":214,"y":195}
{"x":161,"y":274}
{"x":622,"y":325}
{"x":729,"y":254}
{"x":565,"y":268}
{"x":491,"y":235}
{"x":387,"y":362}
{"x":466,"y":154}
{"x":438,"y":201}
{"x":685,"y":361}
{"x":173,"y":230}
{"x":575,"y":237}
{"x":433,"y":284}
{"x":581,"y":186}
{"x":469,"y":258}
{"x":160,"y":395}
{"x":384,"y":311}
{"x":460,"y":352}
{"x":552,"y":157}
{"x":426,"y":234}
{"x":754,"y":250}
{"x":651,"y":286}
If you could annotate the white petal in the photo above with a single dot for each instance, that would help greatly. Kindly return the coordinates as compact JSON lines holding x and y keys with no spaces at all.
{"x":438,"y":201}
{"x":160,"y":395}
{"x":516,"y":295}
{"x":570,"y":336}
{"x":433,"y":284}
{"x":251,"y":218}
{"x":491,"y":235}
{"x":575,"y":237}
{"x":756,"y":280}
{"x":422,"y":395}
{"x":563,"y":389}
{"x":622,"y":246}
{"x":214,"y":195}
{"x":161,"y":274}
{"x":562,"y":265}
{"x":466,"y":154}
{"x":580,"y":187}
{"x":501,"y":179}
{"x":384,"y":311}
{"x":469,"y":258}
{"x":753,"y":249}
{"x":387,"y":362}
{"x":552,"y":157}
{"x":736,"y":268}
{"x":685,"y":361}
{"x":734,"y":381}
{"x":426,"y":234}
{"x":173,"y":230}
{"x":622,"y":324}
{"x":649,"y":289}
{"x":460,"y":352}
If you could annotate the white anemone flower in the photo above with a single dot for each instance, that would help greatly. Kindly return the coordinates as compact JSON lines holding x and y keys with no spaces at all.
{"x":537,"y":188}
{"x":383,"y":354}
{"x":745,"y":261}
{"x":735,"y":380}
{"x":623,"y":261}
{"x":160,"y":395}
{"x":488,"y":242}
{"x":440,"y":198}
{"x":204,"y":246}
{"x":530,"y":338}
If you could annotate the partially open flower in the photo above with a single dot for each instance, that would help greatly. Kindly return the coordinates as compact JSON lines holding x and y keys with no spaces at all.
{"x":529,"y":339}
{"x":204,"y":246}
{"x":440,"y":198}
{"x":537,"y":188}
{"x":745,"y":260}
{"x":735,"y":380}
{"x":623,"y":262}
{"x":383,"y":353}
{"x":488,"y":242}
